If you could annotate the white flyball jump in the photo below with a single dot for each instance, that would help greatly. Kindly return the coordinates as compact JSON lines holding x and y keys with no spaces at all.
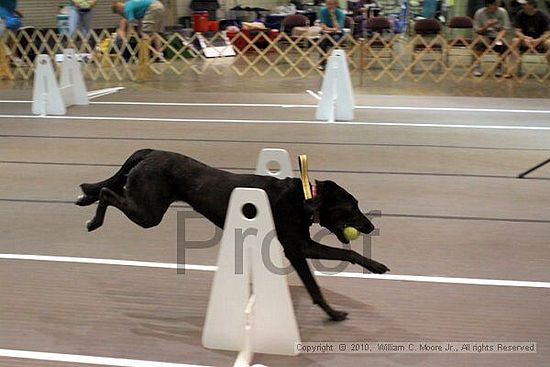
{"x":51,"y":98}
{"x":336,"y":103}
{"x":250,"y":309}
{"x":281,"y":158}
{"x":278,"y":156}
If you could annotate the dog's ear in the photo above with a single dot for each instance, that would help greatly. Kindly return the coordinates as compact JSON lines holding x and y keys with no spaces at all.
{"x":325,"y":189}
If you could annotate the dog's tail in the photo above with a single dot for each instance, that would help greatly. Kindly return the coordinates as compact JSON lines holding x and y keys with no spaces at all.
{"x":115,"y":183}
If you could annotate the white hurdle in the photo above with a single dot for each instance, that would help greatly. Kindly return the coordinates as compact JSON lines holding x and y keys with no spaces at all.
{"x":250,"y":311}
{"x":277,"y":156}
{"x":281,"y":158}
{"x":51,"y":98}
{"x":336,"y":102}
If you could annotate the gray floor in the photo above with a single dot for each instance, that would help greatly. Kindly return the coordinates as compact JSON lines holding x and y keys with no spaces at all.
{"x":450,"y":202}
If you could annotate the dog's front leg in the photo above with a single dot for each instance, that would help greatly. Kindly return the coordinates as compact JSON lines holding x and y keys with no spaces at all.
{"x":304,"y":272}
{"x":316,"y":250}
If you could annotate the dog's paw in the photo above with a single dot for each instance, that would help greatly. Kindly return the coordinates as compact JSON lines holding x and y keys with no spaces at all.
{"x":92,"y":225}
{"x":84,"y":200}
{"x":378,"y":268}
{"x":338,"y":315}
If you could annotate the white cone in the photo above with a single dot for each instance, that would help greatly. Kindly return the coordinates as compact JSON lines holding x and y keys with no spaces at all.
{"x":282,"y":158}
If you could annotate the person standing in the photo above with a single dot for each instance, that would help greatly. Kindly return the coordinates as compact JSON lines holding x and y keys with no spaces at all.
{"x":148,"y":13}
{"x":491,"y":23}
{"x":80,"y":16}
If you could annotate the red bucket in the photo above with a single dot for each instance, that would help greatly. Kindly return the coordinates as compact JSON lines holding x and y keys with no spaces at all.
{"x":200,"y":21}
{"x":213,"y":25}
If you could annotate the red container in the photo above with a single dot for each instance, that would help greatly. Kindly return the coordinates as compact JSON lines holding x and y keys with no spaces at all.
{"x":200,"y":21}
{"x":213,"y":25}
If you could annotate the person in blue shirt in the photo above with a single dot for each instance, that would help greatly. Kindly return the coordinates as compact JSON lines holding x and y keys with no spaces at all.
{"x":148,"y":13}
{"x":10,"y":15}
{"x":332,"y":20}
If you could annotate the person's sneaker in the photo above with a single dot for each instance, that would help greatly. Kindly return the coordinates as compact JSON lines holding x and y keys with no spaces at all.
{"x":477,"y":71}
{"x":16,"y":61}
{"x":498,"y":71}
{"x":160,"y":59}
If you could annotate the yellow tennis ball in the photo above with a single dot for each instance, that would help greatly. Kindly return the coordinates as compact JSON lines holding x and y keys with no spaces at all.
{"x":351,"y":233}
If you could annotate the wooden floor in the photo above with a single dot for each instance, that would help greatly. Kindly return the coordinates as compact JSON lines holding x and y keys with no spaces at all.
{"x":443,"y":179}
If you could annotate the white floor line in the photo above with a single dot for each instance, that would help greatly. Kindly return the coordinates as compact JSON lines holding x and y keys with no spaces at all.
{"x":399,"y":108}
{"x":290,"y":122}
{"x":77,"y":358}
{"x":211,"y":268}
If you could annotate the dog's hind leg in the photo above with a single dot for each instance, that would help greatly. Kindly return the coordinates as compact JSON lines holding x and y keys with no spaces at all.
{"x":115,"y":183}
{"x":304,"y":272}
{"x":143,"y":215}
{"x":316,"y":250}
{"x":106,"y":198}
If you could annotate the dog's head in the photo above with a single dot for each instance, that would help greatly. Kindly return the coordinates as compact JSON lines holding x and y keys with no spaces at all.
{"x":338,"y":209}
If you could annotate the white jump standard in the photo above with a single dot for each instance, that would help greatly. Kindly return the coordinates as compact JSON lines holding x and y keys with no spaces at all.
{"x":250,"y":309}
{"x":51,"y":98}
{"x":336,"y":102}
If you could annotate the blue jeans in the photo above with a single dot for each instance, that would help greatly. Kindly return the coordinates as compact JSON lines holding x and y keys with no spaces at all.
{"x":79,"y":21}
{"x":12,"y":20}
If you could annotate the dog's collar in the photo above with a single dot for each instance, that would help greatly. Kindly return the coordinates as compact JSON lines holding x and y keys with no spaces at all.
{"x":310,"y":190}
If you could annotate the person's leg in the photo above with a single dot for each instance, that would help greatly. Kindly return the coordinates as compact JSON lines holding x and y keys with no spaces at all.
{"x":330,"y":40}
{"x":324,"y":45}
{"x":73,"y":20}
{"x":85,"y":22}
{"x":152,"y":22}
{"x":478,"y":49}
{"x":502,"y":51}
{"x":514,"y":57}
{"x":546,"y":48}
{"x":158,"y":16}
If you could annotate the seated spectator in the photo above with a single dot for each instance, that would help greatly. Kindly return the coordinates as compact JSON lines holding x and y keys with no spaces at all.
{"x":10,"y":15}
{"x":492,"y":23}
{"x":532,"y":32}
{"x":332,"y":21}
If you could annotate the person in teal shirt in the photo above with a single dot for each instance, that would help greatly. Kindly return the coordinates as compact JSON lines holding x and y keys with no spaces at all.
{"x":10,"y":15}
{"x":332,"y":20}
{"x":135,"y":9}
{"x":326,"y":20}
{"x":149,"y":13}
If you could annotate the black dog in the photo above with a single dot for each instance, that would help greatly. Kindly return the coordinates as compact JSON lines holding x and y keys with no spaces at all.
{"x":150,"y":180}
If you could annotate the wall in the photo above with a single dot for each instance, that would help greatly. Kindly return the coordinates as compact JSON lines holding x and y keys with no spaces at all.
{"x":42,"y":13}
